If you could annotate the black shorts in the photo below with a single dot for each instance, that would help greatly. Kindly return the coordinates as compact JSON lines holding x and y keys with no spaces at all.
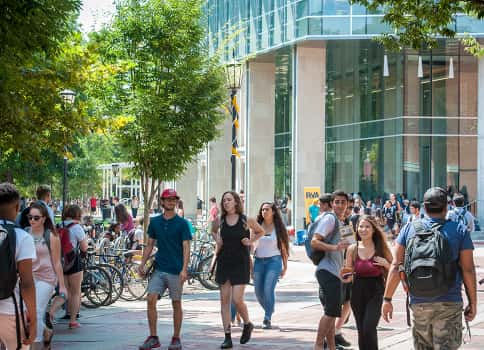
{"x":77,"y":267}
{"x":330,"y":293}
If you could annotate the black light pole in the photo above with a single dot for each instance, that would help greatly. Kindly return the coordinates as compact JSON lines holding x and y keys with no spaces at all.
{"x":233,"y":71}
{"x":68,"y":97}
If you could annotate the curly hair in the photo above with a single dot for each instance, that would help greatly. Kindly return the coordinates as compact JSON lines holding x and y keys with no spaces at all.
{"x":281,"y":231}
{"x":239,"y":209}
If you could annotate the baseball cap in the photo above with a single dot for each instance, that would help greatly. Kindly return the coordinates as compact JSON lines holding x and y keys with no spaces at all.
{"x":169,"y":193}
{"x":435,"y":198}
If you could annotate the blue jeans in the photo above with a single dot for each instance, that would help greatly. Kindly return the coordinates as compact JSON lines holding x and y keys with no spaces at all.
{"x":266,"y":275}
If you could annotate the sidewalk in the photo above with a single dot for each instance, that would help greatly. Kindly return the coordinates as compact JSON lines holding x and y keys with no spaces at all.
{"x":124,"y":325}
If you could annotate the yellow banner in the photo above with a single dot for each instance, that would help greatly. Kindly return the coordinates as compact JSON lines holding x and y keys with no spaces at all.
{"x":310,"y":194}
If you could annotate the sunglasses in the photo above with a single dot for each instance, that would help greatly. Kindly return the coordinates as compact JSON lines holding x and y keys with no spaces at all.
{"x":34,"y":217}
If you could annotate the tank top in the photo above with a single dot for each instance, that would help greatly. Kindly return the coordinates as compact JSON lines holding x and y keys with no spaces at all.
{"x":232,"y":236}
{"x":366,"y":268}
{"x":42,"y":268}
{"x":267,"y":246}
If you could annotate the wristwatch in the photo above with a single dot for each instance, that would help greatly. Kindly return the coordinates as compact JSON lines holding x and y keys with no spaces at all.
{"x":389,"y":300}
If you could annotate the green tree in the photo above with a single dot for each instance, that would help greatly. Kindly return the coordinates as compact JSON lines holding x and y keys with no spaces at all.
{"x":420,"y":22}
{"x":170,"y":89}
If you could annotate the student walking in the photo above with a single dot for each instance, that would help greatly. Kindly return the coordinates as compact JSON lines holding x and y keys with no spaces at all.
{"x":369,"y":260}
{"x":15,"y":265}
{"x":234,"y":239}
{"x":436,"y":302}
{"x":172,"y":236}
{"x":327,"y":237}
{"x":270,"y":258}
{"x":46,"y":268}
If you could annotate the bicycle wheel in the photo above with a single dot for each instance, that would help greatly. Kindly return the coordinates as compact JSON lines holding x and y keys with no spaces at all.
{"x":96,"y":287}
{"x":116,"y":280}
{"x":204,"y":275}
{"x":136,"y":284}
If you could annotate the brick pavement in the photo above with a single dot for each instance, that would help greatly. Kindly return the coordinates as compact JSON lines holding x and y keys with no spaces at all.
{"x":124,"y":325}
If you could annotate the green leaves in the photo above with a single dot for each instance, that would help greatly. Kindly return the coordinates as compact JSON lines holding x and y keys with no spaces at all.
{"x":417,"y":23}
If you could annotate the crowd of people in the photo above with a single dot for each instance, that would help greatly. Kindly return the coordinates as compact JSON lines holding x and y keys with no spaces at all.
{"x":356,"y":274}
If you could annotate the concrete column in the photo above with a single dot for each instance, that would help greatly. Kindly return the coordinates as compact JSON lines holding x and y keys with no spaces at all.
{"x":186,"y":187}
{"x":309,"y":123}
{"x":480,"y":140}
{"x":260,"y":135}
{"x":218,"y":160}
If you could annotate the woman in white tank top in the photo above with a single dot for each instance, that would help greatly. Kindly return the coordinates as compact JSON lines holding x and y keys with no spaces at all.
{"x":270,"y":258}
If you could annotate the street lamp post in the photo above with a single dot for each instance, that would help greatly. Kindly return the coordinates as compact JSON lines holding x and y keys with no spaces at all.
{"x":68,"y":97}
{"x":233,"y":71}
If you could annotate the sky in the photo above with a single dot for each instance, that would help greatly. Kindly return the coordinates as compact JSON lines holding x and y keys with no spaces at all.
{"x":94,"y":13}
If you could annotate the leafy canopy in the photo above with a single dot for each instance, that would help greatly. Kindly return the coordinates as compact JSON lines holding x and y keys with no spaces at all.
{"x":420,"y":22}
{"x":168,"y":87}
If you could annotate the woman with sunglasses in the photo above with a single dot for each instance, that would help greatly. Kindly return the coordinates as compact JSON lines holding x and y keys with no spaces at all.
{"x":73,"y":277}
{"x":234,"y":234}
{"x":46,"y":268}
{"x":270,"y":258}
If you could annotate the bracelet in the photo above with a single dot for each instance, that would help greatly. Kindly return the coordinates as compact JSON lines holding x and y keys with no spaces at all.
{"x":389,"y":300}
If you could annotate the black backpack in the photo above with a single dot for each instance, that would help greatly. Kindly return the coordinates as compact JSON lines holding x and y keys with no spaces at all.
{"x":429,"y":266}
{"x":9,"y":275}
{"x":8,"y":266}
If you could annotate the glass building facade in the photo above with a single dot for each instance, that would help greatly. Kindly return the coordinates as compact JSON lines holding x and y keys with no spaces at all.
{"x":403,"y":132}
{"x":393,"y":122}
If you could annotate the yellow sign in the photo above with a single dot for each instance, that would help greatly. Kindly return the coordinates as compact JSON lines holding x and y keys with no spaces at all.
{"x":310,"y":194}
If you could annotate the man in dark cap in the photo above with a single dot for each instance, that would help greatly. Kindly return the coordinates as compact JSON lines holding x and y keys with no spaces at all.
{"x":437,"y":319}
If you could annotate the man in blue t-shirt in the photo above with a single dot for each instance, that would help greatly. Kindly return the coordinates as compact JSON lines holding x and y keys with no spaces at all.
{"x":437,"y":322}
{"x":172,"y":236}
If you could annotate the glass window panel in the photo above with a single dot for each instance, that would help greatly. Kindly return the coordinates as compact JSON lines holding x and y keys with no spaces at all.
{"x":336,"y":7}
{"x":302,"y":9}
{"x":359,"y":25}
{"x":302,"y":27}
{"x":336,"y":26}
{"x":375,"y":26}
{"x":315,"y":26}
{"x":315,"y":7}
{"x":359,"y":10}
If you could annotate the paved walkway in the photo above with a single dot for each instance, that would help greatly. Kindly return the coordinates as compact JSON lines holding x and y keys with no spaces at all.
{"x":124,"y":325}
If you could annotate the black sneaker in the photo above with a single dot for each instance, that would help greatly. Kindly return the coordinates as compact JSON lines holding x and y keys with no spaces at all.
{"x":68,"y":317}
{"x":266,"y":324}
{"x":246,"y":333}
{"x":340,"y":341}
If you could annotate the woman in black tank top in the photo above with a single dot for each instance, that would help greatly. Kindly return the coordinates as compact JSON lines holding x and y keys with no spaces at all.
{"x":234,"y":239}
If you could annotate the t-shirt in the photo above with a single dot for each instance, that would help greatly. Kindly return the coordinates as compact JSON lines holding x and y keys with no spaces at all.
{"x":93,"y":202}
{"x":169,"y":235}
{"x":25,"y":249}
{"x":455,"y":213}
{"x":459,"y":239}
{"x":390,"y":214}
{"x":76,"y":233}
{"x":332,"y":261}
{"x":313,"y":212}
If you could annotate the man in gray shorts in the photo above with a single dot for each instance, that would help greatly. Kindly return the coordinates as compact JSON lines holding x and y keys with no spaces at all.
{"x":172,"y":236}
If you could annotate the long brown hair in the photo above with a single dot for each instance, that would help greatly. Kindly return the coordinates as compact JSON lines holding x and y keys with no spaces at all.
{"x":281,"y":231}
{"x":378,"y":237}
{"x":121,"y":213}
{"x":48,"y":224}
{"x":238,"y":204}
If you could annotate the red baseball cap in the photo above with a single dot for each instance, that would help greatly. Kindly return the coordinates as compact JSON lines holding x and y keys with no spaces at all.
{"x":169,"y":193}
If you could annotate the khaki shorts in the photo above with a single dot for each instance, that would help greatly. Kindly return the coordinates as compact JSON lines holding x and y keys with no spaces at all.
{"x":160,"y":281}
{"x":437,"y":326}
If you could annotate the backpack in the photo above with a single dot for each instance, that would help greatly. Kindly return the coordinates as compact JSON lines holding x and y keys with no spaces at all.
{"x":460,"y":217}
{"x":8,"y":265}
{"x":69,"y":252}
{"x":430,"y":270}
{"x":9,"y":275}
{"x":315,"y":255}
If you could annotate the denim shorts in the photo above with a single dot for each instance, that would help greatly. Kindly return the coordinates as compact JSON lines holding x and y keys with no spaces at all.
{"x":160,"y":281}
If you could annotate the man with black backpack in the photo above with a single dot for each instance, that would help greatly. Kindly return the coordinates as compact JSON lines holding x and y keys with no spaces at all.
{"x":433,"y":256}
{"x":17,"y":251}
